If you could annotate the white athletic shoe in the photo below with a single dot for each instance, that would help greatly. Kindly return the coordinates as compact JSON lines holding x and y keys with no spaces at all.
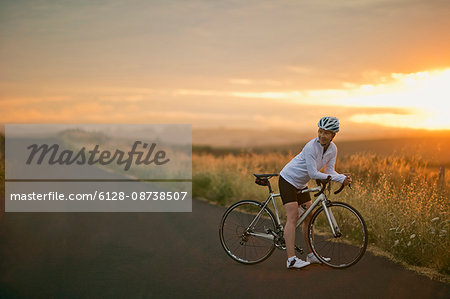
{"x":296,"y":263}
{"x":312,"y":259}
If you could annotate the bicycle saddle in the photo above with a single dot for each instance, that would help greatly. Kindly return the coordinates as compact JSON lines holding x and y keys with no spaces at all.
{"x":265,"y":175}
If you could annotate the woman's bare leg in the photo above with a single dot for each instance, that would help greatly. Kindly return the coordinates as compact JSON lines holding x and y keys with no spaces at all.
{"x":289,"y":230}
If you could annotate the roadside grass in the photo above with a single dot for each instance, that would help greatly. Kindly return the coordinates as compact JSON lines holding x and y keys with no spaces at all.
{"x":404,"y":204}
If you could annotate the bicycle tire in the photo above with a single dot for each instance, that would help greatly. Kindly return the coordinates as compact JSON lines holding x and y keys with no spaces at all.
{"x":238,"y":245}
{"x":342,"y":251}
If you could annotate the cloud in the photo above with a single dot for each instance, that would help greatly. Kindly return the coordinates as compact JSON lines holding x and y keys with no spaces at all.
{"x":267,"y":94}
{"x":299,"y":69}
{"x":241,"y":81}
{"x":259,"y":83}
{"x":393,"y":100}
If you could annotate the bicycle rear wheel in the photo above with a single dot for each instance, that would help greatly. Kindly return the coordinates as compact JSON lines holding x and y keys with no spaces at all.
{"x":235,"y":233}
{"x":348,"y":246}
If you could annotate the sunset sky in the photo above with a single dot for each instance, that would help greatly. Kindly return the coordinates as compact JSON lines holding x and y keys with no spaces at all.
{"x":227,"y":64}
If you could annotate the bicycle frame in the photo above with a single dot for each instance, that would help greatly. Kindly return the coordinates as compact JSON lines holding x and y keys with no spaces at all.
{"x":277,"y":218}
{"x":320,"y":199}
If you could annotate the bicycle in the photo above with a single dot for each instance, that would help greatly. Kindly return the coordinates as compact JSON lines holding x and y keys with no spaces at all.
{"x":249,"y":231}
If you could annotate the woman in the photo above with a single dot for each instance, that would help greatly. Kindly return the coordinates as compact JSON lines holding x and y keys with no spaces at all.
{"x":316,"y":154}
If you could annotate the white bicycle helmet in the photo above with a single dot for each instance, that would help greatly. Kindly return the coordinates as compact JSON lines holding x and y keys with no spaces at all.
{"x":329,"y":123}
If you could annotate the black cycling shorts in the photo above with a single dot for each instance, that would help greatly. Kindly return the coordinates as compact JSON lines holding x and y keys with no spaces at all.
{"x":289,"y":193}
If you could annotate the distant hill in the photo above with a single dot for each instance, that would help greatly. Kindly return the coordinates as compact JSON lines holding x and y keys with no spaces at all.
{"x":241,"y":137}
{"x":431,"y":146}
{"x":226,"y":137}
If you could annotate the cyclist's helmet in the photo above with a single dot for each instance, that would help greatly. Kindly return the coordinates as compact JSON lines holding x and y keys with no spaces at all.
{"x":329,"y":123}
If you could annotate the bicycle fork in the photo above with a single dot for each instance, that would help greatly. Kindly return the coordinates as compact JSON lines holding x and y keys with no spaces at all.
{"x":331,"y":220}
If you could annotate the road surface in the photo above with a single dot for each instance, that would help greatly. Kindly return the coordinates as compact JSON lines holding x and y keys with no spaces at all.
{"x":177,"y":255}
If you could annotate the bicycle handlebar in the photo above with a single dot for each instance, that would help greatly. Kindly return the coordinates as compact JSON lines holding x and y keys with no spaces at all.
{"x":324,"y":183}
{"x":340,"y":189}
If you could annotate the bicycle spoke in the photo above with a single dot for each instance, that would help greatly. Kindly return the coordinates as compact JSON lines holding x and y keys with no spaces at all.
{"x":255,"y":246}
{"x":236,"y":246}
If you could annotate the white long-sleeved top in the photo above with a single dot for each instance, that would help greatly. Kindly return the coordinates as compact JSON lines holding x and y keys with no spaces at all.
{"x":306,"y":165}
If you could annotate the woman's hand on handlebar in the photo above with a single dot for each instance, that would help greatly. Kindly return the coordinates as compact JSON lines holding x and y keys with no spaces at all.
{"x":346,"y":182}
{"x":348,"y":179}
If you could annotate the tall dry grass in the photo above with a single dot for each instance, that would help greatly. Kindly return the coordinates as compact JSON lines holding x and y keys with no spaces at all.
{"x":406,"y":209}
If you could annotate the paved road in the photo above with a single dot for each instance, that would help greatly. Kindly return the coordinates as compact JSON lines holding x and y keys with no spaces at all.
{"x":142,"y":255}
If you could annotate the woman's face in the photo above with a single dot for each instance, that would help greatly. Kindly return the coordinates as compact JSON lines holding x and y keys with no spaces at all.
{"x":325,"y":136}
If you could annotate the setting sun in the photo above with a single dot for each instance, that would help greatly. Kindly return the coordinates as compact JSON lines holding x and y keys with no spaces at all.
{"x":422,"y":100}
{"x":424,"y":96}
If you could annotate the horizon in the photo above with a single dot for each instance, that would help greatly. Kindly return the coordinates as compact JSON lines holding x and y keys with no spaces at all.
{"x":248,"y":137}
{"x":234,"y":137}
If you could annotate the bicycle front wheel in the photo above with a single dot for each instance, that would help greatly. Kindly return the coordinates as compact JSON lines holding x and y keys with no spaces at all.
{"x":347,"y":244}
{"x":239,"y":239}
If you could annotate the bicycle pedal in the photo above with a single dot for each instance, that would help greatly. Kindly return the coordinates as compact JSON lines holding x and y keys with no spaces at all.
{"x":280,"y":244}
